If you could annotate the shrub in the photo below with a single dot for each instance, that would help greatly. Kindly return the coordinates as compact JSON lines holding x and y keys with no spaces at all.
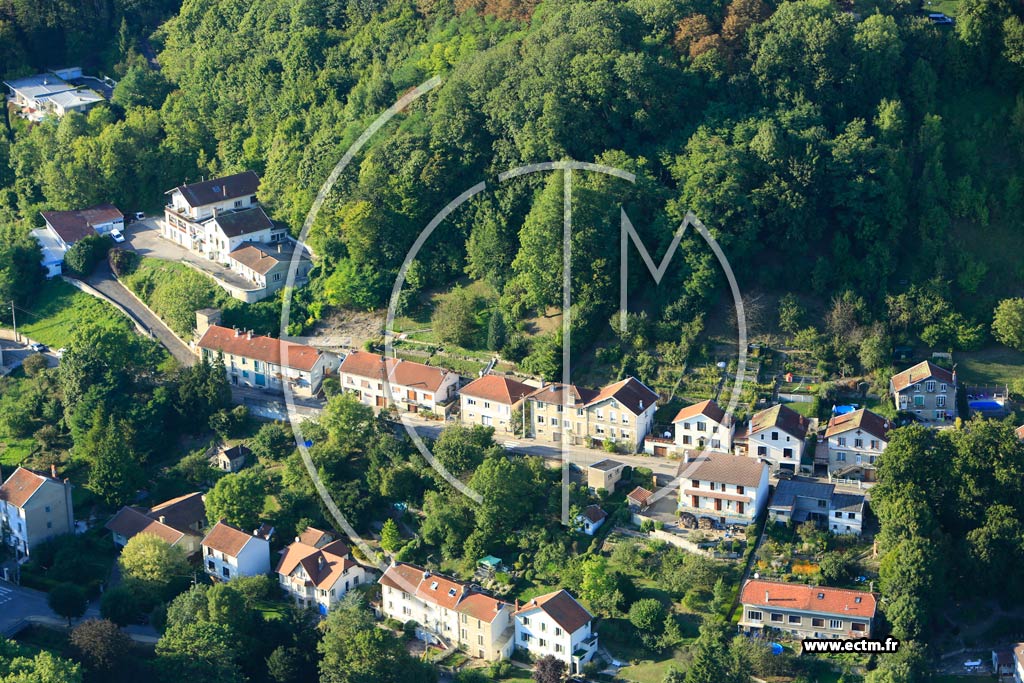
{"x":120,"y":605}
{"x":83,"y":256}
{"x":123,"y":262}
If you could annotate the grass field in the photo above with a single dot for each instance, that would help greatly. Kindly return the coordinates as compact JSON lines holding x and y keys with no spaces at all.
{"x":995,"y":365}
{"x":13,"y":450}
{"x":947,"y":7}
{"x":60,"y":309}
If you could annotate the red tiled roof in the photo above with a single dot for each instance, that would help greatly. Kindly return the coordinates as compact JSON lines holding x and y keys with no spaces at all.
{"x":181,"y":513}
{"x":323,"y":566}
{"x":227,"y":539}
{"x":801,"y":597}
{"x":1020,"y":432}
{"x":441,"y":590}
{"x":129,"y":522}
{"x":496,"y":388}
{"x":266,"y":349}
{"x":1018,"y":653}
{"x":21,"y":486}
{"x":919,"y":373}
{"x":708,"y":409}
{"x":594,"y":513}
{"x":480,"y":606}
{"x":562,"y":608}
{"x":630,"y":392}
{"x":400,"y":372}
{"x":864,"y":419}
{"x":640,"y":495}
{"x":315,"y":537}
{"x":780,"y":417}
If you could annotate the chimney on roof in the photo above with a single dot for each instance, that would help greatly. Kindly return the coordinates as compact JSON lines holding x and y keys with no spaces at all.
{"x":238,"y":332}
{"x":53,"y":470}
{"x":766,"y":595}
{"x":280,"y":248}
{"x":215,"y":212}
{"x":162,"y":519}
{"x":641,"y":405}
{"x":296,"y":539}
{"x":248,"y":335}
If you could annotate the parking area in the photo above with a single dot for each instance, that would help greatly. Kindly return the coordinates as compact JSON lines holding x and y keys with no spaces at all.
{"x":144,"y":238}
{"x":14,"y":354}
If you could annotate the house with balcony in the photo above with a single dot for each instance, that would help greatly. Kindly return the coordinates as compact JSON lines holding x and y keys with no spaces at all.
{"x":622,"y":413}
{"x":855,"y":443}
{"x":34,"y":508}
{"x":215,"y":217}
{"x":228,"y":552}
{"x":803,"y":501}
{"x":179,"y":521}
{"x":556,"y":624}
{"x":264,"y":363}
{"x":776,"y":436}
{"x":926,"y":390}
{"x":703,"y":426}
{"x":320,"y":572}
{"x":447,"y":612}
{"x":490,"y":401}
{"x":730,"y":489}
{"x":803,"y":611}
{"x":411,"y":387}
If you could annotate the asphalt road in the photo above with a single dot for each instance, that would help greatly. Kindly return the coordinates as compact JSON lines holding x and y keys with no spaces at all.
{"x":104,"y":280}
{"x":14,"y":354}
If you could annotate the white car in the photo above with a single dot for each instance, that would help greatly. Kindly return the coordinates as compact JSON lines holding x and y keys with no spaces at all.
{"x":117,"y":236}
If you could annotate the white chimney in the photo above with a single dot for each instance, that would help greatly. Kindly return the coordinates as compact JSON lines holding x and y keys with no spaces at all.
{"x":238,"y":332}
{"x":162,"y":519}
{"x":248,"y":335}
{"x":766,"y":596}
{"x":641,"y":405}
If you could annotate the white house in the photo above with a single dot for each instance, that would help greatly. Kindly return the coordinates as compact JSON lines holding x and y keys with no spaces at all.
{"x":320,"y":573}
{"x":803,"y":611}
{"x":731,"y":489}
{"x":555,"y":624}
{"x":490,"y":401}
{"x":265,"y":363}
{"x":54,"y":93}
{"x":776,"y":436}
{"x":266,"y":265}
{"x":65,"y":228}
{"x":229,"y":552}
{"x":803,"y":501}
{"x":414,"y":387}
{"x":703,"y":425}
{"x":34,"y":508}
{"x":591,"y":519}
{"x":447,"y":612}
{"x":856,"y":441}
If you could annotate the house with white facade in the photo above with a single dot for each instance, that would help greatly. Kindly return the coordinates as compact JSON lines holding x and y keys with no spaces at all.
{"x":490,"y":401}
{"x":702,"y":426}
{"x":803,"y":501}
{"x":264,"y":363}
{"x":591,"y":519}
{"x":317,"y":571}
{"x":266,"y":265}
{"x":411,"y":387}
{"x":803,"y":611}
{"x":34,"y":508}
{"x":730,"y":489}
{"x":65,"y":228}
{"x":229,"y":552}
{"x":55,"y":93}
{"x":776,"y":436}
{"x":179,"y":521}
{"x":856,"y":441}
{"x":927,"y":390}
{"x":555,"y":624}
{"x":448,"y":613}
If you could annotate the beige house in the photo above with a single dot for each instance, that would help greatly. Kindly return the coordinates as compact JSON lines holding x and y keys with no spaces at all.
{"x":265,"y":363}
{"x":414,"y":387}
{"x":490,"y":401}
{"x":34,"y":508}
{"x":926,"y":390}
{"x":179,"y":521}
{"x":317,"y":571}
{"x":804,"y":611}
{"x":605,"y":474}
{"x":730,"y":489}
{"x":266,"y":265}
{"x":448,"y":612}
{"x":855,"y":442}
{"x":622,"y":413}
{"x":231,"y":459}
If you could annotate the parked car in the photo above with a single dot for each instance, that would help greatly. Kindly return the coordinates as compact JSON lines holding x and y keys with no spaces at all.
{"x":940,"y":18}
{"x":117,"y":236}
{"x":139,"y":215}
{"x":37,"y":347}
{"x":783,"y":474}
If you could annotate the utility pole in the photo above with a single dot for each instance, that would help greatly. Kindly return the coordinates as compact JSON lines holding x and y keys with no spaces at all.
{"x":14,"y":321}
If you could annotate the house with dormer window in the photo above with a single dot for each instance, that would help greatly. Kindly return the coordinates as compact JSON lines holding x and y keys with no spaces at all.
{"x":318,"y":571}
{"x":803,"y":611}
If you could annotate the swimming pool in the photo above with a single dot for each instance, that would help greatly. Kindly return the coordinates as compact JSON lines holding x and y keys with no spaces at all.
{"x":985,"y":405}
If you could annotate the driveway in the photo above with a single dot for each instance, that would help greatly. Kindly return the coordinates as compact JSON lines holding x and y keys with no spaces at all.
{"x":144,"y":238}
{"x":14,"y":354}
{"x":104,"y":280}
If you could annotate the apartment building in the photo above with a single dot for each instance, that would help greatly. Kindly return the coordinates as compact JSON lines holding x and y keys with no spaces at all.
{"x":804,"y":611}
{"x":447,"y":612}
{"x":34,"y":508}
{"x":776,"y":436}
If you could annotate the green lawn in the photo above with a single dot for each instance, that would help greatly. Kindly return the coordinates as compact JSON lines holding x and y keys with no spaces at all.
{"x":652,"y":671}
{"x":13,"y":449}
{"x":947,"y":7}
{"x":60,"y":309}
{"x":991,"y":366}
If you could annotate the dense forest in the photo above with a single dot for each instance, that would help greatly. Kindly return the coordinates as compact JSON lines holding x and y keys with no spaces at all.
{"x":828,"y":147}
